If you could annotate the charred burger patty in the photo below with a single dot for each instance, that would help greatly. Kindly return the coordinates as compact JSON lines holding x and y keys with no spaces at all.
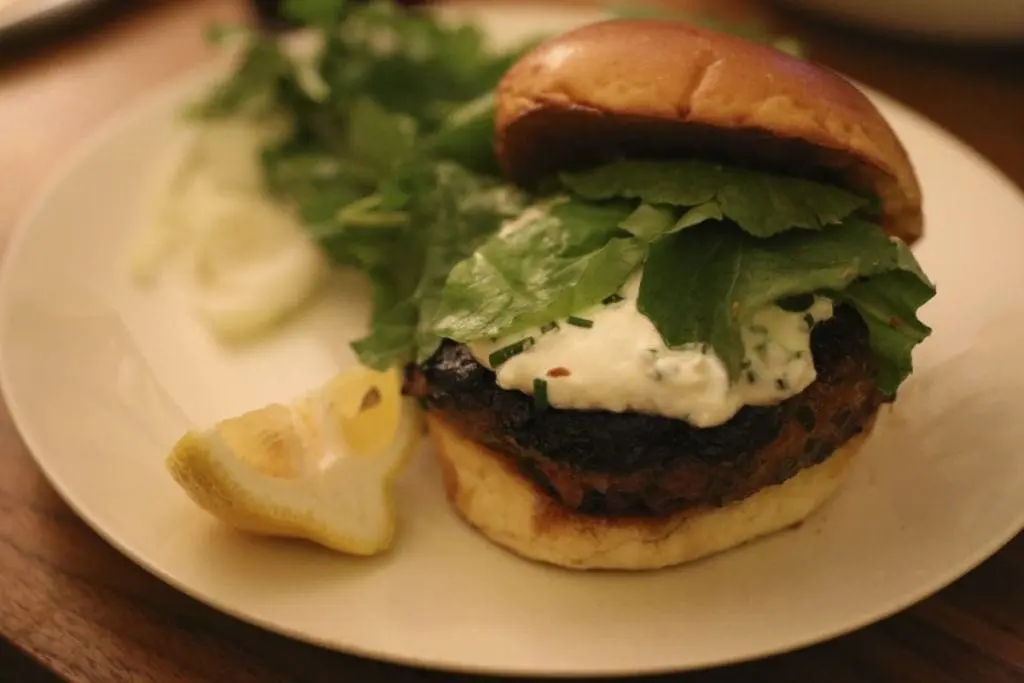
{"x":628,"y":464}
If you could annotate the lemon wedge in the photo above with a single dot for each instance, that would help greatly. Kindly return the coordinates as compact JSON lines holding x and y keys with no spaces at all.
{"x":322,"y":468}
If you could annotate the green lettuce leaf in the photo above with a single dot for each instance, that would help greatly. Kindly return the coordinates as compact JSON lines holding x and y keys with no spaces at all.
{"x":427,"y":98}
{"x":321,"y":13}
{"x":430,"y":68}
{"x":703,"y":284}
{"x":253,"y":88}
{"x":888,"y":304}
{"x":466,"y":136}
{"x":391,"y":166}
{"x":649,"y":222}
{"x":392,"y":338}
{"x":763,"y":204}
{"x":450,"y":213}
{"x":561,"y":257}
{"x":377,"y":138}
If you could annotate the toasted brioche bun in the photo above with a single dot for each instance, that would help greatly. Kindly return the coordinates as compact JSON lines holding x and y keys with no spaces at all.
{"x":642,"y":88}
{"x":511,"y":511}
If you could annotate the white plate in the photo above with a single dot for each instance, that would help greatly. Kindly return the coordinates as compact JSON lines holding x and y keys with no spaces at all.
{"x":16,"y":14}
{"x":101,"y":378}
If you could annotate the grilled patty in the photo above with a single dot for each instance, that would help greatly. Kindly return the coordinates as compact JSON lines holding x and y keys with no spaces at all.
{"x":630,"y":464}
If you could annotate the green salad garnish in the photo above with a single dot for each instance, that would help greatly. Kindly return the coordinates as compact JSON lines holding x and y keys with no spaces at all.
{"x":389,"y":160}
{"x":716,"y":243}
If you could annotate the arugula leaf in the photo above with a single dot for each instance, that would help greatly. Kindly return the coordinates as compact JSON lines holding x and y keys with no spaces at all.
{"x":708,"y":211}
{"x":377,"y":250}
{"x":378,"y":138}
{"x":562,"y":256}
{"x":702,"y":284}
{"x":427,"y":68}
{"x":251,"y":89}
{"x":649,"y":222}
{"x":463,"y":216}
{"x":316,"y":184}
{"x":888,"y":304}
{"x":322,"y":13}
{"x":467,"y":136}
{"x":392,"y":338}
{"x":395,"y":85}
{"x":451,"y":212}
{"x":763,"y":204}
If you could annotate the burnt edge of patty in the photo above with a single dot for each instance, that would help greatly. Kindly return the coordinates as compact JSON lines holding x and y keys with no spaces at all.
{"x":637,"y":465}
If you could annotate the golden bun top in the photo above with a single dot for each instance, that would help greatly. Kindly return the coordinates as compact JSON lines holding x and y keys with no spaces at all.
{"x":646,"y":88}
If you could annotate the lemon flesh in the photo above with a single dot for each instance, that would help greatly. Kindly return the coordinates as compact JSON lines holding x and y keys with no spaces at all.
{"x":322,"y":468}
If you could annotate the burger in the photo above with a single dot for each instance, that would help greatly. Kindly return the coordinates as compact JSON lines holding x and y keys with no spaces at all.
{"x":684,"y":342}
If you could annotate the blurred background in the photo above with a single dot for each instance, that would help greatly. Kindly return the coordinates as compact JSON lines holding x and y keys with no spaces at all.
{"x":960,"y":62}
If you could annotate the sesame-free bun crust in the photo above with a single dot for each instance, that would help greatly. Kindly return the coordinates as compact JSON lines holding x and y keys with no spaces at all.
{"x":628,"y":88}
{"x":511,"y":511}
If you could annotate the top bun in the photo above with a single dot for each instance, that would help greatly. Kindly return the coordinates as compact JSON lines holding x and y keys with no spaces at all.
{"x":644,"y":88}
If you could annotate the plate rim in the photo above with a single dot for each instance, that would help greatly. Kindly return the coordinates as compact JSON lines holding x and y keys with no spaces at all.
{"x":173,"y":90}
{"x":23,"y":19}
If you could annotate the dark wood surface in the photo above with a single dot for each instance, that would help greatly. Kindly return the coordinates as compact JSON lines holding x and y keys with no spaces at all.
{"x":71,"y":606}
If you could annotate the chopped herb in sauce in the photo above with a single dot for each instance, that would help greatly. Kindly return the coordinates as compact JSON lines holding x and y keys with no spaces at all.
{"x":506,"y":353}
{"x":540,"y":394}
{"x":781,"y":384}
{"x":550,"y":327}
{"x":613,"y":299}
{"x":579,"y":322}
{"x":809,"y":321}
{"x":751,"y":376}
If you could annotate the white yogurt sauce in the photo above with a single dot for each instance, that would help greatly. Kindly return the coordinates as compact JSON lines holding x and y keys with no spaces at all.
{"x":621,"y":364}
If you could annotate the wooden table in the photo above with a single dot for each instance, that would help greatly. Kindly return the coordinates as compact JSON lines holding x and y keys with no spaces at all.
{"x":71,"y":605}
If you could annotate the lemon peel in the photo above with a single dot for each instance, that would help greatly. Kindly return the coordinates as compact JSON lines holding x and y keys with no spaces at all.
{"x":322,"y":468}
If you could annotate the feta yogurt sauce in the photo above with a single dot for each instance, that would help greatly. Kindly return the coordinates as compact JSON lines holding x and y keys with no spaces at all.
{"x":612,"y":358}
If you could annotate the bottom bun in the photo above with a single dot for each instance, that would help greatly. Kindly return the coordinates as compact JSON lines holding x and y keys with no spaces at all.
{"x":489,"y":494}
